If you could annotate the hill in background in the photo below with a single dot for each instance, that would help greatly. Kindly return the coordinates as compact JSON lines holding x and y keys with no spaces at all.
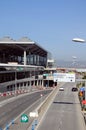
{"x":72,"y":64}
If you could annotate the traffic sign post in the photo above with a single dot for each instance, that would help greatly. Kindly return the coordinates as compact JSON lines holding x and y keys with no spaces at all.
{"x":24,"y":118}
{"x":36,"y":122}
{"x":64,"y":77}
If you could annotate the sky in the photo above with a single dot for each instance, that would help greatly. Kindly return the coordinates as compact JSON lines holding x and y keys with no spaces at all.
{"x":51,"y":23}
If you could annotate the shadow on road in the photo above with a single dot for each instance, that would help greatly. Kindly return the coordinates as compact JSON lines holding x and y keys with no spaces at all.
{"x":65,"y":103}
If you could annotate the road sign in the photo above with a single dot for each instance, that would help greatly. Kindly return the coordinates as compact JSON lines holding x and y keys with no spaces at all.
{"x":45,"y":74}
{"x":64,"y":77}
{"x":20,"y":68}
{"x":24,"y":118}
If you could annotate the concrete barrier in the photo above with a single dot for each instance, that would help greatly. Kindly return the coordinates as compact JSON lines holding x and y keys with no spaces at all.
{"x":33,"y":114}
{"x":43,"y":106}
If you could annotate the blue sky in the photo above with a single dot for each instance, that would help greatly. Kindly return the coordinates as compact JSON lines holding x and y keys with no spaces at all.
{"x":51,"y":23}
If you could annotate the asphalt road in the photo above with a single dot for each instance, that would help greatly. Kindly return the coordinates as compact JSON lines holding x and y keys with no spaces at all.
{"x":64,"y":112}
{"x":11,"y":109}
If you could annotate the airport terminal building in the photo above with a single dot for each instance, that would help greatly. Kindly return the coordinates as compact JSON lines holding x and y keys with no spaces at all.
{"x":22,"y":63}
{"x":23,"y":51}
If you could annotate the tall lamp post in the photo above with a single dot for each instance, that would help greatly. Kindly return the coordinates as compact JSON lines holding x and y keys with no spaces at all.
{"x":78,"y":40}
{"x":15,"y":81}
{"x":81,"y":41}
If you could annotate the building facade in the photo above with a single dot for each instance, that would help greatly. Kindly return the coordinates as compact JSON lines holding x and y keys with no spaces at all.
{"x":22,"y":63}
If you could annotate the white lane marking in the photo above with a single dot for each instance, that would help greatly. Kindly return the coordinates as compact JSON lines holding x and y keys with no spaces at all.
{"x":23,"y":113}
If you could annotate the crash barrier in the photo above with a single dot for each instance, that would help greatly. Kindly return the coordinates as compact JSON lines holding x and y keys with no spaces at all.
{"x":43,"y":104}
{"x":21,"y":91}
{"x":11,"y":93}
{"x":33,"y":114}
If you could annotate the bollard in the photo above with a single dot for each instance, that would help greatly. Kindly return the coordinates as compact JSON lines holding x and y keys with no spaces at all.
{"x":32,"y":127}
{"x":36,"y":122}
{"x":7,"y":127}
{"x":12,"y":122}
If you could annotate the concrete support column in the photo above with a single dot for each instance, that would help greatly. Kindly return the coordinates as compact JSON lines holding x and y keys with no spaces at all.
{"x":30,"y":85}
{"x":19,"y":86}
{"x":24,"y":57}
{"x":42,"y":83}
{"x":37,"y":82}
{"x":23,"y":85}
{"x":34,"y":83}
{"x":37,"y":59}
{"x":26,"y":85}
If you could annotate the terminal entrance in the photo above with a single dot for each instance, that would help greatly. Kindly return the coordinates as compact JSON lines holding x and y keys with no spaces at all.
{"x":49,"y":83}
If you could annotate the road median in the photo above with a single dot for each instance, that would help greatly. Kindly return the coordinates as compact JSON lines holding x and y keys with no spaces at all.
{"x":43,"y":107}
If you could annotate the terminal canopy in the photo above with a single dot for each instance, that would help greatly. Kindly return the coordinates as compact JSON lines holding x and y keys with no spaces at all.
{"x":10,"y":46}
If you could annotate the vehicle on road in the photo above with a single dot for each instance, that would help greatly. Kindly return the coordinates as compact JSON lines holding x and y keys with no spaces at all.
{"x":61,"y":89}
{"x":74,"y":89}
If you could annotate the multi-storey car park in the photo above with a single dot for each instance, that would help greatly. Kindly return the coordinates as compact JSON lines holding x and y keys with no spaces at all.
{"x":22,"y":64}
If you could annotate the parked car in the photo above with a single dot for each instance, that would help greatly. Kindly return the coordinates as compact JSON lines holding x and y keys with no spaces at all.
{"x":74,"y":89}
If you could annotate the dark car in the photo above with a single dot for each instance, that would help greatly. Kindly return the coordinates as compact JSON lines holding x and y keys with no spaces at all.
{"x":74,"y":89}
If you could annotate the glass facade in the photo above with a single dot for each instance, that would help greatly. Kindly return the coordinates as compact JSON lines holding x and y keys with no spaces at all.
{"x":36,"y":60}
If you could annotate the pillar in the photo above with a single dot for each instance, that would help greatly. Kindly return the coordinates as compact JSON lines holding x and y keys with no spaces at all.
{"x":24,"y":57}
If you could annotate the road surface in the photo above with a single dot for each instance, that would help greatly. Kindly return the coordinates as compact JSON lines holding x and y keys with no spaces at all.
{"x":64,"y":112}
{"x":9,"y":110}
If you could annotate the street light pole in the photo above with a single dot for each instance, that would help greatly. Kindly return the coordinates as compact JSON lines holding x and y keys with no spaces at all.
{"x":30,"y":81}
{"x":15,"y":81}
{"x":81,"y":41}
{"x":78,"y":40}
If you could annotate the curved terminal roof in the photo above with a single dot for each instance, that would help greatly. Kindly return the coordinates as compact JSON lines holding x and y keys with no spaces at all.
{"x":17,"y":47}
